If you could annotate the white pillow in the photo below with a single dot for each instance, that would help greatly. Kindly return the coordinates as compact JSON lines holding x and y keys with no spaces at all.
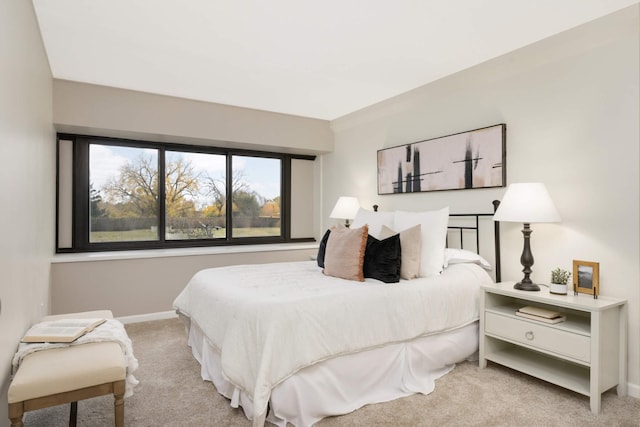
{"x":458,"y":256}
{"x":375,"y":221}
{"x":433,"y":227}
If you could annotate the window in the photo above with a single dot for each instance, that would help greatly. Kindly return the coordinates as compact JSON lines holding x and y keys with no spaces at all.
{"x":136,"y":195}
{"x":195,"y":196}
{"x":255,"y":187}
{"x":123,"y":194}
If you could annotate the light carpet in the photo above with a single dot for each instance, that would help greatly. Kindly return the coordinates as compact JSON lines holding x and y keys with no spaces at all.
{"x":172,"y":393}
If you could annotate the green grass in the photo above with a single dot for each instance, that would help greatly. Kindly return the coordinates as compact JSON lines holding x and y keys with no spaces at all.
{"x":256,"y":232}
{"x":123,"y":236}
{"x":149,"y":235}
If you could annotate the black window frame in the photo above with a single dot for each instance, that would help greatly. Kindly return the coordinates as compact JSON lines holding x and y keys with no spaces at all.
{"x":80,"y":196}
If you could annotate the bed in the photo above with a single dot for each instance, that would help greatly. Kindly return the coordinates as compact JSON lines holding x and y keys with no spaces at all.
{"x":296,"y":342}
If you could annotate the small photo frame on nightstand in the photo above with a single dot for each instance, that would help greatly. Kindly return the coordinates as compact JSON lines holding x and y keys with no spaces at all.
{"x":586,"y":277}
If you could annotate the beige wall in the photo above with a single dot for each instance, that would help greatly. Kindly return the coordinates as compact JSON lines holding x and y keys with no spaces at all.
{"x":27,"y":177}
{"x":98,"y":110}
{"x":571,"y":105}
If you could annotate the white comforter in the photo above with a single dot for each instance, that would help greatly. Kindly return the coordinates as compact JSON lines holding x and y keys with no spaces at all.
{"x":270,"y":320}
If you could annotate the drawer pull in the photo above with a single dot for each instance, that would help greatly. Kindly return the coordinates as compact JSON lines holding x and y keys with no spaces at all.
{"x":529,"y":335}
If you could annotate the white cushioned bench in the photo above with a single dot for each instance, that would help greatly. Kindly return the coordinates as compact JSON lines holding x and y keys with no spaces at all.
{"x":65,"y":375}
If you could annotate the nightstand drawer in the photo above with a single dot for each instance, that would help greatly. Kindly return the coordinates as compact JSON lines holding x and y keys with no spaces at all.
{"x":539,"y":336}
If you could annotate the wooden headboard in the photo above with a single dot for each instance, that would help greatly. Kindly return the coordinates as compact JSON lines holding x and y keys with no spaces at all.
{"x":464,"y":229}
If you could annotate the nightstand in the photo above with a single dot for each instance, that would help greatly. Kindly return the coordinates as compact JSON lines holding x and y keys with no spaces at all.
{"x":587,"y":353}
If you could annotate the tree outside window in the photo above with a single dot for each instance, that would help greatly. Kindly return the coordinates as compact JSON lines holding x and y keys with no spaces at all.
{"x":124,"y":195}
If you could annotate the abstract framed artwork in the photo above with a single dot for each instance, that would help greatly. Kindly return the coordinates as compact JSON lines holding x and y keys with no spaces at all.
{"x":472,"y":159}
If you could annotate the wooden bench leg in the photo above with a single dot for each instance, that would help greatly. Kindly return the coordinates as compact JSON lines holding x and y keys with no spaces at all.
{"x":16,"y":410}
{"x":118,"y":395}
{"x":73,"y":414}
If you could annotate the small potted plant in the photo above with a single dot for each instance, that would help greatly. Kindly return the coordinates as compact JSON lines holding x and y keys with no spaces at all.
{"x":559,"y":279}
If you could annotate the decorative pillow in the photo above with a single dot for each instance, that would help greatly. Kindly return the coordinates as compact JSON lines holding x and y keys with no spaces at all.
{"x":458,"y":256}
{"x":344,"y":256}
{"x":322,"y":248}
{"x":411,"y":243}
{"x":434,"y":236}
{"x":382,"y":259}
{"x":375,"y":221}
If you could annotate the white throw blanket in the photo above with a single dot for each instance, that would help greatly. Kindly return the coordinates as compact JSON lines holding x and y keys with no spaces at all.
{"x":111,"y":330}
{"x":271,"y":320}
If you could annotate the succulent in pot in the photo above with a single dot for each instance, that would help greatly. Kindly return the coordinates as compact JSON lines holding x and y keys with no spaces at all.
{"x":559,"y":280}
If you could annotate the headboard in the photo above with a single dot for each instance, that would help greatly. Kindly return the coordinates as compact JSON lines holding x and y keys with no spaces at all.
{"x":464,"y":228}
{"x":474,"y":230}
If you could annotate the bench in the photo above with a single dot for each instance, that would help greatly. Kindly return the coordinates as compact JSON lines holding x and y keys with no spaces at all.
{"x":58,"y":376}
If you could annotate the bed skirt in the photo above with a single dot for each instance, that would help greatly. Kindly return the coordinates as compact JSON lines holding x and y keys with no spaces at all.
{"x":345,"y":383}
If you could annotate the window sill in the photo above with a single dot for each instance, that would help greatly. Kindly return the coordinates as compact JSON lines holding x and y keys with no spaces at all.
{"x":165,"y":253}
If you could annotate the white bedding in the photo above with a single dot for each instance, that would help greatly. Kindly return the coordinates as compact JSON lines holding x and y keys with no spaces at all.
{"x":345,"y":383}
{"x":269,"y":321}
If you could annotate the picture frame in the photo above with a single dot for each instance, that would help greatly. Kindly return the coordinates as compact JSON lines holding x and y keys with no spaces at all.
{"x":586,"y":277}
{"x":465,"y":160}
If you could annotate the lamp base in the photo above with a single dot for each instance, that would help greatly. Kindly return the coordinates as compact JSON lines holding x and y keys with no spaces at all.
{"x":526,"y":259}
{"x":526,"y":286}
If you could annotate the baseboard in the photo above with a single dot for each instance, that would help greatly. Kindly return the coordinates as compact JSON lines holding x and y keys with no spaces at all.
{"x":633,"y":390}
{"x":161,"y":315}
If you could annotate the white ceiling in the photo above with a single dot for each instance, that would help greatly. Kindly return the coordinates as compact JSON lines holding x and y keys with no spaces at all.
{"x":321,"y":59}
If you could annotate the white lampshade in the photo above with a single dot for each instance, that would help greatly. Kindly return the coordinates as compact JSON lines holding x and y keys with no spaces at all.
{"x":345,"y":208}
{"x":527,"y":203}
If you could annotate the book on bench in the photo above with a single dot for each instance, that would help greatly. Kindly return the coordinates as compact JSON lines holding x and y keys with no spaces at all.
{"x":62,"y":330}
{"x":541,"y":314}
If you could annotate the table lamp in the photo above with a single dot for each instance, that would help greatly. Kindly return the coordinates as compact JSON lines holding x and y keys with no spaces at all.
{"x":527,"y":203}
{"x":345,"y":208}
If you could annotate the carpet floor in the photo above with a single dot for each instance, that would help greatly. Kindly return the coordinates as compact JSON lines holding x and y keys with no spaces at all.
{"x":172,"y":393}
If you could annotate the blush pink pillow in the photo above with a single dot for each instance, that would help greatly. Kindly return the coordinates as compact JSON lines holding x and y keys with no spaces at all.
{"x":344,"y":255}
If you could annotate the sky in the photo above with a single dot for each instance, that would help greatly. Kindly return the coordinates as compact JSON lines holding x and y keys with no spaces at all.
{"x":262,"y":174}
